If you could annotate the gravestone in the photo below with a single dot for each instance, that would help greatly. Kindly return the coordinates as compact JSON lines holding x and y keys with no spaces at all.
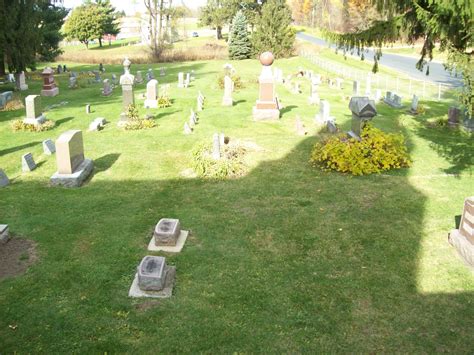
{"x":49,"y":86}
{"x":27,"y":162}
{"x":114,"y":79}
{"x":4,"y":181}
{"x":101,"y":68}
{"x":48,"y":147}
{"x":5,"y":97}
{"x":266,"y":107}
{"x":97,"y":78}
{"x":463,"y":238}
{"x":228,"y":84}
{"x":300,"y":128}
{"x":72,"y":82}
{"x":192,"y":121}
{"x":151,"y":94}
{"x":138,"y":77}
{"x":324,"y":114}
{"x":187,"y":81}
{"x":73,"y":168}
{"x":21,"y":82}
{"x":331,"y":126}
{"x":107,"y":89}
{"x":4,"y":233}
{"x":200,"y":103}
{"x":167,"y":231}
{"x":378,"y":95}
{"x":222,"y":139}
{"x":194,"y":116}
{"x":128,"y":97}
{"x":216,"y":147}
{"x":162,"y":71}
{"x":187,"y":129}
{"x":33,"y":110}
{"x":150,"y":75}
{"x":181,"y":80}
{"x":152,"y":273}
{"x":363,"y":110}
{"x":88,"y":108}
{"x":453,"y":116}
{"x":11,"y":78}
{"x":414,"y":105}
{"x":314,"y":96}
{"x":393,"y":100}
{"x":355,"y":88}
{"x":59,"y":70}
{"x":97,"y":124}
{"x":64,"y":68}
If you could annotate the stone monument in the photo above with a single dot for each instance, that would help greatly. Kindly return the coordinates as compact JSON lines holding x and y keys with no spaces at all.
{"x":48,"y":147}
{"x":34,"y":115}
{"x":73,"y":168}
{"x":414,"y":105}
{"x":216,"y":147}
{"x":154,"y":278}
{"x":314,"y":96}
{"x":463,"y":238}
{"x":107,"y":88}
{"x":128,"y":98}
{"x":324,"y":114}
{"x":363,"y":110}
{"x":453,"y":116}
{"x":355,"y":88}
{"x":181,"y":80}
{"x":151,"y":94}
{"x":138,"y":77}
{"x":393,"y":100}
{"x":4,"y":181}
{"x":27,"y":163}
{"x":168,"y":236}
{"x":21,"y":82}
{"x":228,"y":85}
{"x":266,"y":107}
{"x":49,"y":86}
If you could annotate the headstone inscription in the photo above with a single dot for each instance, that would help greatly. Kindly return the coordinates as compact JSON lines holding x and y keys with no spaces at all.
{"x":27,"y":162}
{"x":153,"y":274}
{"x":48,"y":147}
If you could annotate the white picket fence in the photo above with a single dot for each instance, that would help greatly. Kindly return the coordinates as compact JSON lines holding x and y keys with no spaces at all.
{"x":402,"y":85}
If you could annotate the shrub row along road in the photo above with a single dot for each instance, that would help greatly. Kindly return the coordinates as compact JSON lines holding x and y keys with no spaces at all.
{"x":438,"y":74}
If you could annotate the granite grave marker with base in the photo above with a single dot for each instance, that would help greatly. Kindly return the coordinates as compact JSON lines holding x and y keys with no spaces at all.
{"x":462,"y":239}
{"x":49,"y":86}
{"x":27,"y":162}
{"x":266,"y":107}
{"x":363,"y":110}
{"x":151,"y":94}
{"x":154,"y":278}
{"x":73,"y":168}
{"x":34,"y":115}
{"x":393,"y":100}
{"x":168,"y":236}
{"x":128,"y":97}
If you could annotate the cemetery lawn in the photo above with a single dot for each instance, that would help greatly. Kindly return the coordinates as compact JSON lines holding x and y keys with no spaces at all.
{"x":287,"y":258}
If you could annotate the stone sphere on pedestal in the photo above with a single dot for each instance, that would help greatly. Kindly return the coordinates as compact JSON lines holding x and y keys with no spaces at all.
{"x":266,"y":58}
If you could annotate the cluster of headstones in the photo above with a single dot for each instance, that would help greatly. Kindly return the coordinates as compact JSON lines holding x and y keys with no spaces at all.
{"x":184,"y":80}
{"x":154,"y":278}
{"x":193,"y":117}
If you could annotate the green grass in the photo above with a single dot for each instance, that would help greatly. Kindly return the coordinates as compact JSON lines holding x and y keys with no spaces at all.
{"x":285,"y":259}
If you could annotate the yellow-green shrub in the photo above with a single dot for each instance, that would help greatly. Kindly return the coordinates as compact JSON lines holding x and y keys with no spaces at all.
{"x":238,"y":84}
{"x":376,"y":152}
{"x":19,"y":125}
{"x":230,"y":165}
{"x":135,"y":122}
{"x":164,"y":101}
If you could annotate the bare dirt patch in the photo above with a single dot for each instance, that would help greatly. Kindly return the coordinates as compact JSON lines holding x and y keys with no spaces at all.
{"x":16,"y":256}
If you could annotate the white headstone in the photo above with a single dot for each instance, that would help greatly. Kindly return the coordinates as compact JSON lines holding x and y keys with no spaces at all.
{"x":228,"y":86}
{"x":216,"y":148}
{"x":151,"y":94}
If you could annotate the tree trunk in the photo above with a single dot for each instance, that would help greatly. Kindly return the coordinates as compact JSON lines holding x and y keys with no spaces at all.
{"x":100,"y":41}
{"x":2,"y":63}
{"x":219,"y":32}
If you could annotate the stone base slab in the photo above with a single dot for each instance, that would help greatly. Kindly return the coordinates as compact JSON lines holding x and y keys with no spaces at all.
{"x":464,"y":248}
{"x":265,"y":115}
{"x":151,"y":103}
{"x":77,"y":178}
{"x":51,"y":92}
{"x":168,"y":248}
{"x":35,"y":121}
{"x":166,"y":292}
{"x":227,"y":101}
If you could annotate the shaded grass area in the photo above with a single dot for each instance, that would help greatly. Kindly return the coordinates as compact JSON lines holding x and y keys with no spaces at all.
{"x":284,"y":259}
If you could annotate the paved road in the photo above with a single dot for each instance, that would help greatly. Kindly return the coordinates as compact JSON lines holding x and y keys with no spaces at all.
{"x":401,"y":63}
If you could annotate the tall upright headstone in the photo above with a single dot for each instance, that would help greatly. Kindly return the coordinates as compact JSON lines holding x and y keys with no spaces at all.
{"x":463,"y":238}
{"x":73,"y":168}
{"x":368,"y":85}
{"x":4,"y":181}
{"x":21,"y":82}
{"x":324,"y":114}
{"x":181,"y":80}
{"x":363,"y":110}
{"x":355,"y":88}
{"x":138,"y":77}
{"x":34,"y":115}
{"x":216,"y":147}
{"x":414,"y":104}
{"x":314,"y":96}
{"x":228,"y":84}
{"x":49,"y":86}
{"x":151,"y":94}
{"x":266,"y":107}
{"x":107,"y":88}
{"x":128,"y":97}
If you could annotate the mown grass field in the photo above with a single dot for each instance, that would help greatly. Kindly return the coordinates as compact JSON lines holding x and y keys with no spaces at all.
{"x":287,"y":258}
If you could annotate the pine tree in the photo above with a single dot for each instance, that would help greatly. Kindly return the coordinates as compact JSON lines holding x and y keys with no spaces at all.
{"x":239,"y":41}
{"x":274,"y":32}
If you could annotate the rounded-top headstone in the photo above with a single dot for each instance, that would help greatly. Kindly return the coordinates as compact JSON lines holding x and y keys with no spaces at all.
{"x":126,"y":64}
{"x":266,"y":58}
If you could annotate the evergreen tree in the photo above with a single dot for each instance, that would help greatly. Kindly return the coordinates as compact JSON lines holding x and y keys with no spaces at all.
{"x":274,"y":32}
{"x":108,"y":19}
{"x":239,"y":41}
{"x":450,"y":23}
{"x":52,"y":19}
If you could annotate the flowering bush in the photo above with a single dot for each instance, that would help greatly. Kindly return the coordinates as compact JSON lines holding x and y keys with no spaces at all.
{"x":376,"y":152}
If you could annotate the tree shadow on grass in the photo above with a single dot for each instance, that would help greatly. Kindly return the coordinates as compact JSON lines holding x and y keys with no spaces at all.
{"x":328,"y":261}
{"x":17,"y":148}
{"x":287,"y":109}
{"x":63,"y":120}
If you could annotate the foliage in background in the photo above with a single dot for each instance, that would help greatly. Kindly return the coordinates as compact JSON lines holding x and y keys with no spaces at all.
{"x":84,"y":24}
{"x":134,"y":122}
{"x":240,"y":46}
{"x":230,"y":165}
{"x":376,"y":152}
{"x":238,"y":84}
{"x":52,"y":19}
{"x":20,"y":126}
{"x":450,"y":23}
{"x":274,"y":31}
